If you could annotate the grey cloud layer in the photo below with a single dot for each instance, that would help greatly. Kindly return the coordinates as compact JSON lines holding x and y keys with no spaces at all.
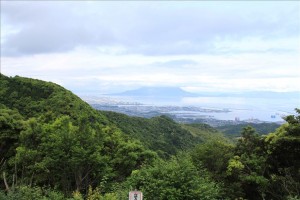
{"x":149,"y":28}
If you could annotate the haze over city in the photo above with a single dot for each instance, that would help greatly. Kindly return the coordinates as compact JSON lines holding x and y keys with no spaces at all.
{"x":108,"y":47}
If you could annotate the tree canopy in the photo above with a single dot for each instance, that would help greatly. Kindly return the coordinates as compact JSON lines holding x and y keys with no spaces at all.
{"x":53,"y":145}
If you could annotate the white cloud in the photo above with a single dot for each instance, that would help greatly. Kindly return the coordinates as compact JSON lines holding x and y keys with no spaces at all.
{"x":110,"y":46}
{"x":258,"y":44}
{"x":212,"y":72}
{"x":150,"y":28}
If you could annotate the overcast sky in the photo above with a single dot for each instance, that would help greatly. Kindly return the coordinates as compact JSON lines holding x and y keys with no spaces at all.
{"x":114,"y":46}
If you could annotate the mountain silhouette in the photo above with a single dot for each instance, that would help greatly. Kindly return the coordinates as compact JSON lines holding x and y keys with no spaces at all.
{"x":158,"y":92}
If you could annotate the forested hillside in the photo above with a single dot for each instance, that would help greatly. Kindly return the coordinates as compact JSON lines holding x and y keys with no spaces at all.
{"x":205,"y":132}
{"x":55,"y":146}
{"x":51,"y":137}
{"x":161,"y":134}
{"x":235,"y":130}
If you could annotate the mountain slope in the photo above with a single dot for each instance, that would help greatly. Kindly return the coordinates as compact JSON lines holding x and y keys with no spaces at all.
{"x":33,"y":98}
{"x":205,"y":132}
{"x":161,"y":133}
{"x":235,"y":130}
{"x":47,"y":102}
{"x":58,"y":140}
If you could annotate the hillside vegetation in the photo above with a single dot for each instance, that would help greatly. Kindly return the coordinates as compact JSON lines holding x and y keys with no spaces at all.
{"x":55,"y":146}
{"x":235,"y":130}
{"x":161,"y":134}
{"x":51,"y":137}
{"x":204,"y":132}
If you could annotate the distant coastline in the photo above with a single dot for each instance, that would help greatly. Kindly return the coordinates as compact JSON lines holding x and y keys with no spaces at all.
{"x":216,"y":111}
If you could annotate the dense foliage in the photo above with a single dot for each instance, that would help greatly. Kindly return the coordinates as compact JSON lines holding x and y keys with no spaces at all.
{"x":55,"y":146}
{"x":235,"y":130}
{"x":50,"y":137}
{"x":175,"y":179}
{"x":161,"y":134}
{"x":205,"y":132}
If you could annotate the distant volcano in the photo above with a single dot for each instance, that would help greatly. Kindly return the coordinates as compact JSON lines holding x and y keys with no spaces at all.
{"x":158,"y":92}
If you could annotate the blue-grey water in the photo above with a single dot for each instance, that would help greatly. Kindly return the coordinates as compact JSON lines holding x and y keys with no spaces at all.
{"x":264,"y":109}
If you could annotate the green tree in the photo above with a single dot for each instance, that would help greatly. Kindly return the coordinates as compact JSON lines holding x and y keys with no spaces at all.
{"x":11,"y":124}
{"x":249,"y":165}
{"x":268,"y":167}
{"x":61,"y":154}
{"x":73,"y":157}
{"x":32,"y":193}
{"x":176,"y":179}
{"x":214,"y":156}
{"x":283,"y":148}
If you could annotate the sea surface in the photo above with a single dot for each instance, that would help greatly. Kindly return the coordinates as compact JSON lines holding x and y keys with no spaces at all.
{"x":232,"y":108}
